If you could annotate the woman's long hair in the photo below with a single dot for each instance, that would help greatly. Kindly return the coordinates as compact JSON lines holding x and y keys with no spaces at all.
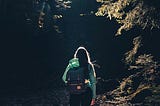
{"x":84,"y":58}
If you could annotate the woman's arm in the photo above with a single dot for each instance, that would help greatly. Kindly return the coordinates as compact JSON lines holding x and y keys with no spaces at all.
{"x":65,"y":73}
{"x":92,"y":81}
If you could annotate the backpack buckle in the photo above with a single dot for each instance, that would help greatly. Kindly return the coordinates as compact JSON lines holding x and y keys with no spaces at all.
{"x":78,"y":87}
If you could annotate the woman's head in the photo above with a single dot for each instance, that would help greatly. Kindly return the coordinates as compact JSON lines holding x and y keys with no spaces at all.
{"x":83,"y":56}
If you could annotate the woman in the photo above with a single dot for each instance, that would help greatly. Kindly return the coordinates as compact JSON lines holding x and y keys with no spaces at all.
{"x":81,"y":59}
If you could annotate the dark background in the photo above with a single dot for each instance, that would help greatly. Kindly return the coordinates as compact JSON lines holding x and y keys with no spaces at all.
{"x":33,"y":59}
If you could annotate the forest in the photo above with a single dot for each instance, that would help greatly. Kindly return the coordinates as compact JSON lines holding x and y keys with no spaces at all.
{"x":39,"y":37}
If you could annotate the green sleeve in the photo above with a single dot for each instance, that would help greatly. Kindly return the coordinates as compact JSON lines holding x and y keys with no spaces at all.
{"x":92,"y":82}
{"x":65,"y":73}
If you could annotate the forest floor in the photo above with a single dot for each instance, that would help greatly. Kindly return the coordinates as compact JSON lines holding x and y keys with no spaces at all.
{"x":60,"y":97}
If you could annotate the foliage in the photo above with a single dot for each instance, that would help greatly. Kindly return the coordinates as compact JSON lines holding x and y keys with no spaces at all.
{"x":153,"y":99}
{"x":62,"y":4}
{"x":144,"y":73}
{"x":144,"y":77}
{"x":48,"y":13}
{"x":130,"y":13}
{"x":129,"y":56}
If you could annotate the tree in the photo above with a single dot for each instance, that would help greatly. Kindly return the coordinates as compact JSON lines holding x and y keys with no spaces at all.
{"x":130,"y":13}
